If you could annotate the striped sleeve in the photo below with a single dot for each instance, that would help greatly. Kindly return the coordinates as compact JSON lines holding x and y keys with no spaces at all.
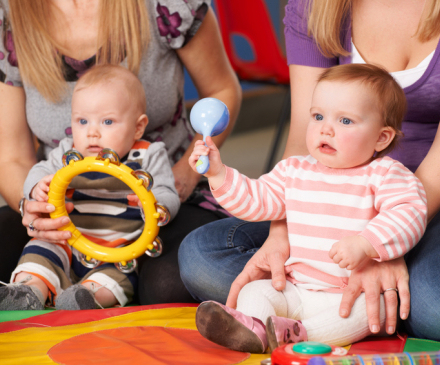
{"x":401,"y":202}
{"x":254,"y":200}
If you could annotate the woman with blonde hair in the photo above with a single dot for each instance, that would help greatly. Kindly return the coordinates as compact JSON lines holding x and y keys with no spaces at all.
{"x":45,"y":46}
{"x":401,"y":36}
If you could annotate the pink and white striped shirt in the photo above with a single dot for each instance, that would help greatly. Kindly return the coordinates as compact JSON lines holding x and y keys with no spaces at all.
{"x":382,"y":201}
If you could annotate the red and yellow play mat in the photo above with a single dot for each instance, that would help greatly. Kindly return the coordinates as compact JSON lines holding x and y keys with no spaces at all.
{"x":160,"y":334}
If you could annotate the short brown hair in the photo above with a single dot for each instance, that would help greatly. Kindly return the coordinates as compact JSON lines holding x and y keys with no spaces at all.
{"x":102,"y":74}
{"x":390,"y":96}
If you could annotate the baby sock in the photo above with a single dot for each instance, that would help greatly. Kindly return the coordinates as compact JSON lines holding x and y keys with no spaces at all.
{"x":17,"y":296}
{"x":77,"y":297}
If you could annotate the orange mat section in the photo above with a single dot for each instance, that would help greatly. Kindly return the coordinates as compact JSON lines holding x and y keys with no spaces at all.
{"x":143,"y":345}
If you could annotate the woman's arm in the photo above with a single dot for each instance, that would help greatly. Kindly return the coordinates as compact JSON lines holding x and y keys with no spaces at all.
{"x":429,"y":174}
{"x":17,"y":156}
{"x":17,"y":151}
{"x":205,"y":59}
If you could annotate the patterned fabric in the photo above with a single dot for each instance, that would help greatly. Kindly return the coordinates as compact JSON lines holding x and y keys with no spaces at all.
{"x":59,"y":266}
{"x":382,"y":201}
{"x":102,"y":214}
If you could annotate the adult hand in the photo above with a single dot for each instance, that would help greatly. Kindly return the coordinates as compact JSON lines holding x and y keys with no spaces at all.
{"x":37,"y":213}
{"x":267,"y":262}
{"x":373,"y":279}
{"x":185,"y":179}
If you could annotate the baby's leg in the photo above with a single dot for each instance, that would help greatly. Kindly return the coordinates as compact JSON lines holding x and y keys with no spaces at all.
{"x":44,"y":267}
{"x":259,"y":299}
{"x":105,"y":285}
{"x":117,"y":287}
{"x":241,"y":329}
{"x":323,"y":323}
{"x":34,"y":281}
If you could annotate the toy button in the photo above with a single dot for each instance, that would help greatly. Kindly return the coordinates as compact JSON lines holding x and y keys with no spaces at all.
{"x":311,"y":348}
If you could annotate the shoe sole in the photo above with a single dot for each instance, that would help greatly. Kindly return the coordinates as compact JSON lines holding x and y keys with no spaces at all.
{"x":218,"y":326}
{"x":271,"y":335}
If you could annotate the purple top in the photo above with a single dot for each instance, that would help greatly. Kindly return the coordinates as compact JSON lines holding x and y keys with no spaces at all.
{"x":423,"y":115}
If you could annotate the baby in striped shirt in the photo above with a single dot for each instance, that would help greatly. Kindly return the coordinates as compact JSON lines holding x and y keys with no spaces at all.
{"x":108,"y":111}
{"x":345,"y":204}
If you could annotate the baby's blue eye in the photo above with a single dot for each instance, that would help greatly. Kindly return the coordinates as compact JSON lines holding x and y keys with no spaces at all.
{"x":82,"y":121}
{"x":108,"y":122}
{"x":319,"y":117}
{"x":346,"y":121}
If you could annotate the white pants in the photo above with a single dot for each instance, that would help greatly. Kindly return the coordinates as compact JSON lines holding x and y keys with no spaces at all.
{"x":317,"y":310}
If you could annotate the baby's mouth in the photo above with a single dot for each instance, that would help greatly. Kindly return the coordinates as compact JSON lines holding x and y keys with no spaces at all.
{"x":326,"y":148}
{"x":94,"y":149}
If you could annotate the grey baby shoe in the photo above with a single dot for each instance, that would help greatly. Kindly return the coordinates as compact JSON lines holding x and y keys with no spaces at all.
{"x":77,"y":297}
{"x":17,"y":296}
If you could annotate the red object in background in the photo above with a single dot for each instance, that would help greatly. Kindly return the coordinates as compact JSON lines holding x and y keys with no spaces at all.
{"x":250,"y":20}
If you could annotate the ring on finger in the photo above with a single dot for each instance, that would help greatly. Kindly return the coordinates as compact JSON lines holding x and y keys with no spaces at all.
{"x":391,"y":289}
{"x":31,"y":226}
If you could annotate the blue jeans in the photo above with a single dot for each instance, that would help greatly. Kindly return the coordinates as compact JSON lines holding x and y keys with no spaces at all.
{"x":211,"y":257}
{"x":424,"y":284}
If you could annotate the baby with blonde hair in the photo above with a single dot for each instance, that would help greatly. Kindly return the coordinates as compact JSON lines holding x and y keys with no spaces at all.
{"x":108,"y":111}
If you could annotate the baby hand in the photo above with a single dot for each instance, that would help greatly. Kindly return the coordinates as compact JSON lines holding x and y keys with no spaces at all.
{"x":133,"y":198}
{"x":216,"y":166}
{"x":39,"y":192}
{"x":352,"y":252}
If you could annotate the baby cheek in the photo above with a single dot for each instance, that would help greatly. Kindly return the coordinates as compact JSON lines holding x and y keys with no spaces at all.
{"x":312,"y":135}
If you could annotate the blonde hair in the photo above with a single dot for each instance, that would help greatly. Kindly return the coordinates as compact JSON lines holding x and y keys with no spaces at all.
{"x":123,"y":31}
{"x":326,"y":17}
{"x":390,"y":96}
{"x":106,"y":74}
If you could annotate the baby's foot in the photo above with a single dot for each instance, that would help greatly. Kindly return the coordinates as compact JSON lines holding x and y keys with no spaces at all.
{"x":17,"y":296}
{"x":280,"y":330}
{"x":228,"y":327}
{"x":77,"y":297}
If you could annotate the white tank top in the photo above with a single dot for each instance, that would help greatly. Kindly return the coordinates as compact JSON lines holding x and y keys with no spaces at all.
{"x":404,"y":78}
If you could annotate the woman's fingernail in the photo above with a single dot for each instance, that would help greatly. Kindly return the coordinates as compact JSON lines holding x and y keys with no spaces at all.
{"x":65,"y":220}
{"x":278,"y":285}
{"x":375,"y":328}
{"x":343,"y":312}
{"x":67,"y":234}
{"x":390,"y":330}
{"x":404,"y":315}
{"x":50,"y":208}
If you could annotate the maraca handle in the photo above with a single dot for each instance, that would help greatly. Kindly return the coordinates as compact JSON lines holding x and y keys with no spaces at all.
{"x":202,"y":165}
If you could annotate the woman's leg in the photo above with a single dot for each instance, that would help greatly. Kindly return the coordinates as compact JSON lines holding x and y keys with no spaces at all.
{"x":13,"y":238}
{"x":159,"y":278}
{"x":211,"y":257}
{"x":424,"y":284}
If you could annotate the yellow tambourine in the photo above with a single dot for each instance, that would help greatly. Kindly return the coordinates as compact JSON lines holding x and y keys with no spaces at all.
{"x":139,"y":181}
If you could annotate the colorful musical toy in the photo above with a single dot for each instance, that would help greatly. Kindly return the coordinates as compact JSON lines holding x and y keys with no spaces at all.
{"x":209,"y":117}
{"x":301,"y":353}
{"x":316,"y":353}
{"x":139,"y":181}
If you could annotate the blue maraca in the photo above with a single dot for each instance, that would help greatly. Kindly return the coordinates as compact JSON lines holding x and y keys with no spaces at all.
{"x":209,"y":117}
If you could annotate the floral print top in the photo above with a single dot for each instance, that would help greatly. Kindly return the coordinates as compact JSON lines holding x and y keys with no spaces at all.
{"x":172,"y":25}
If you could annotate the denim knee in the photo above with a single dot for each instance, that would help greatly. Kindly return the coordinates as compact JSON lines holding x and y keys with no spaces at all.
{"x":211,"y":257}
{"x":424,"y":280}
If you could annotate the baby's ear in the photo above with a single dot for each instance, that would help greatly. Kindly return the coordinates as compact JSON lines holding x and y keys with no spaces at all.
{"x":386,"y":136}
{"x":141,"y":124}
